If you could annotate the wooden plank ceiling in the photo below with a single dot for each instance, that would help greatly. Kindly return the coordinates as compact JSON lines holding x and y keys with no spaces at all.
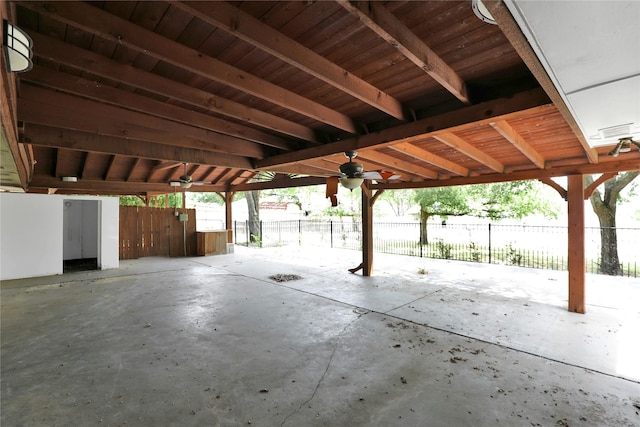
{"x":123,"y":94}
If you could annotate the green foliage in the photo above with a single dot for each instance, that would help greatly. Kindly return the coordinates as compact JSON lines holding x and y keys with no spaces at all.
{"x":474,"y":251}
{"x":443,"y":201}
{"x":213,"y":198}
{"x":495,"y":201}
{"x":349,"y":204}
{"x":444,"y":249}
{"x":131,"y":201}
{"x":399,"y":200}
{"x":513,"y":255}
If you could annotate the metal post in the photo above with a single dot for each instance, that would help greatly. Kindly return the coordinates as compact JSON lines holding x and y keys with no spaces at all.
{"x":489,"y":243}
{"x":421,"y":237}
{"x":246,"y":231}
{"x":331,"y":232}
{"x":299,"y":232}
{"x":260,"y":224}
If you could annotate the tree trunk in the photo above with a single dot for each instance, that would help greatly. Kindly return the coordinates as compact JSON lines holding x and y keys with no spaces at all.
{"x":253,"y":203}
{"x":609,"y":260}
{"x":605,"y":208}
{"x":424,"y":217}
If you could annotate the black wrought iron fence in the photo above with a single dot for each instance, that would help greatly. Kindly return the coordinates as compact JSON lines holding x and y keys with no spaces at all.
{"x":520,"y":245}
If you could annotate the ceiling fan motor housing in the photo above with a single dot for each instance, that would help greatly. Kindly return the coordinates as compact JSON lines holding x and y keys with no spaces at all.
{"x":352,"y":169}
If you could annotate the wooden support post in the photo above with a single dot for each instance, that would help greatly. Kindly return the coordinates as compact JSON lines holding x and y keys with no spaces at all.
{"x":228,"y":214}
{"x":367,"y":229}
{"x":577,"y":261}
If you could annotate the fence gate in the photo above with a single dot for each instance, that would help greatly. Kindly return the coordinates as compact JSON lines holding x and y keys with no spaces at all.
{"x":156,"y":232}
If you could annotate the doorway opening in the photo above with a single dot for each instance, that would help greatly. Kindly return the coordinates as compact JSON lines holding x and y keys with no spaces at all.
{"x":81,"y":225}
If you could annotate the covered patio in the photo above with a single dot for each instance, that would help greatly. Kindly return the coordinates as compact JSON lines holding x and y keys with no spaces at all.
{"x":217,"y":341}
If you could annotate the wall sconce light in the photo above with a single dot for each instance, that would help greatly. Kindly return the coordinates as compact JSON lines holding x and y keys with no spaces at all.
{"x":482,"y":12}
{"x":69,"y":179}
{"x":17,"y":48}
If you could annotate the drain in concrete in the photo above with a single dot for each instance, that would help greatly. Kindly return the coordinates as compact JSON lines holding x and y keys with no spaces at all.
{"x":284,"y":277}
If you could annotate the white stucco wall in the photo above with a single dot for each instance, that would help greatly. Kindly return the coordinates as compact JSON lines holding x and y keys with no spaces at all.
{"x":32,"y":233}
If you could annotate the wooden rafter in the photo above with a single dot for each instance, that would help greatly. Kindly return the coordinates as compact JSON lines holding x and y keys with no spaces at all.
{"x":375,"y":16}
{"x":503,"y":108}
{"x":145,"y":105}
{"x":74,"y":140}
{"x":135,"y":163}
{"x":254,"y":32}
{"x":581,"y":169}
{"x":100,"y":66}
{"x":467,"y":149}
{"x":93,"y":117}
{"x":428,"y":157}
{"x":162,"y":166}
{"x":512,"y":32}
{"x":396,"y":164}
{"x":102,"y":24}
{"x":511,"y":135}
{"x":109,"y":172}
{"x":84,"y":170}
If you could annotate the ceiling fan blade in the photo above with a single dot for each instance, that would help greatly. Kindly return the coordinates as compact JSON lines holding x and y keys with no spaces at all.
{"x":200,"y":182}
{"x":380,"y":175}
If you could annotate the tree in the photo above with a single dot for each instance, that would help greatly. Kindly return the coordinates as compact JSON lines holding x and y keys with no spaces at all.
{"x":604,"y":206}
{"x":253,"y":204}
{"x":495,"y":201}
{"x":207,"y":197}
{"x":399,"y":200}
{"x":440,"y":201}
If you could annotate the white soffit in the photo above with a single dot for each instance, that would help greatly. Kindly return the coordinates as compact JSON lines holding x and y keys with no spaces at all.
{"x":591,"y":51}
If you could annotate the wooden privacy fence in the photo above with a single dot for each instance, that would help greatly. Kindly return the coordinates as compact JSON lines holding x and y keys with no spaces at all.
{"x":156,"y":232}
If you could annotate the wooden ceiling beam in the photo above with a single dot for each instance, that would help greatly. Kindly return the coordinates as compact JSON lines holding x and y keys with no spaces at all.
{"x":89,"y":186}
{"x":220,"y":177}
{"x":83,"y":168}
{"x":295,"y":182}
{"x":253,"y":31}
{"x":426,"y":156}
{"x":604,"y":166}
{"x":134,"y":166}
{"x":74,"y":140}
{"x":112,"y":160}
{"x":382,"y":22}
{"x":56,"y":164}
{"x":63,"y":53}
{"x":163,"y":165}
{"x":467,"y":149}
{"x":521,"y":45}
{"x":142,"y":104}
{"x":42,"y":106}
{"x":515,"y":106}
{"x":397,"y":165}
{"x":117,"y":30}
{"x":511,"y":135}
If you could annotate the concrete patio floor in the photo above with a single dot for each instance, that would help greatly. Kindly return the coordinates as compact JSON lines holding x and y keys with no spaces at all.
{"x":214,"y":340}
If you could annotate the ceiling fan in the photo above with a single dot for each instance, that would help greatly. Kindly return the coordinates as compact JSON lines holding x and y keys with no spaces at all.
{"x":353,"y":174}
{"x":185,"y":181}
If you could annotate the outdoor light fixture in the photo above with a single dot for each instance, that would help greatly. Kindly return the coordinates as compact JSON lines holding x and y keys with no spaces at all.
{"x":17,"y":48}
{"x":351,"y":183}
{"x":69,"y":179}
{"x":185,"y":184}
{"x":623,"y":146}
{"x":482,"y":12}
